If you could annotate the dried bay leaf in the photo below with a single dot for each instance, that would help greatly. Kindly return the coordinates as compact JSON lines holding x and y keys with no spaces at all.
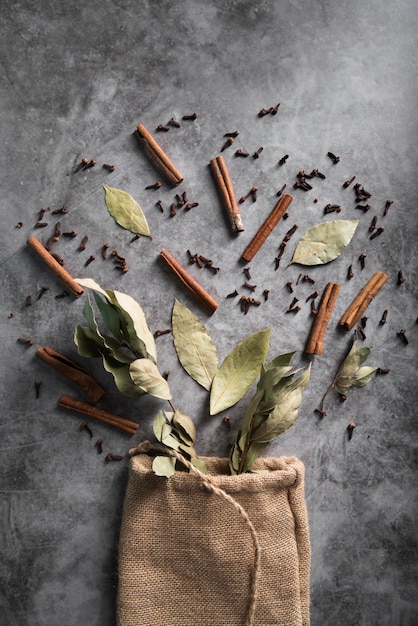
{"x":164,"y":466}
{"x":122,"y":378}
{"x":194,"y":346}
{"x":324,"y":242}
{"x":238,"y":371}
{"x":136,"y":322}
{"x":126,"y":211}
{"x":285,"y":412}
{"x":146,"y":376}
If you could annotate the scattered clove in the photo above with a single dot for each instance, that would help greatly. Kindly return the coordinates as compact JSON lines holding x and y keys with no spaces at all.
{"x":383,"y":318}
{"x":99,"y":446}
{"x":257,"y":153}
{"x":283,"y":160}
{"x":402,"y":335}
{"x":42,"y":291}
{"x":362,"y":259}
{"x":113,"y":457}
{"x":350,"y":430}
{"x":109,"y":168}
{"x":401,"y":277}
{"x":241,"y":153}
{"x":37,"y":389}
{"x":350,"y":273}
{"x":377,"y":232}
{"x":155,"y":185}
{"x":85,"y":426}
{"x":334,"y":159}
{"x":347,"y":183}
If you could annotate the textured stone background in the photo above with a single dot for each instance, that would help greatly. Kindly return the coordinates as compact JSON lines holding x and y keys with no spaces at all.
{"x":76,"y":78}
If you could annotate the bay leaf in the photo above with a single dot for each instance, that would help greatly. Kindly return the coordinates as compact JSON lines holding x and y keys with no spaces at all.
{"x":238,"y":371}
{"x":126,"y":211}
{"x":122,"y":378}
{"x":110,"y":316}
{"x":136,"y":322}
{"x":145,"y":375}
{"x":364,"y":375}
{"x":89,"y":283}
{"x":324,"y":242}
{"x":158,"y":424}
{"x":285,"y":412}
{"x":164,"y":466}
{"x":87,"y":342}
{"x":195,"y":349}
{"x":280,"y":360}
{"x":185,"y":426}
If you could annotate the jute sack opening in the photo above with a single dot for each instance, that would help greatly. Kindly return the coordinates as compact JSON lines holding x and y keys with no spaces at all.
{"x":215,"y":549}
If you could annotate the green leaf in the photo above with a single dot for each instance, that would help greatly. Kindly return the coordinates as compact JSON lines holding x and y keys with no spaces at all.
{"x":281,"y":360}
{"x":121,"y":375}
{"x":324,"y":242}
{"x":185,"y":427}
{"x":87,"y":342}
{"x":364,"y":375}
{"x":194,"y":346}
{"x":126,"y":211}
{"x":145,"y":375}
{"x":137,"y":328}
{"x":110,"y":316}
{"x":158,"y":424}
{"x":89,"y":283}
{"x":285,"y":412}
{"x":238,"y":371}
{"x":164,"y":466}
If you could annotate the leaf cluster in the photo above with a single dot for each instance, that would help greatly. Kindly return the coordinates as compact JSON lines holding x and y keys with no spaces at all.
{"x":274,"y":406}
{"x":175,"y":430}
{"x":128,"y":349}
{"x":272,"y":411}
{"x":352,"y":372}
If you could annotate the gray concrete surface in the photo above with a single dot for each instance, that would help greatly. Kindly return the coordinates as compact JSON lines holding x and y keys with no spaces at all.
{"x":76,"y":78}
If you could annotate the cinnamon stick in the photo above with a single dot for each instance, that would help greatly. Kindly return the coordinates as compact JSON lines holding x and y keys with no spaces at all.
{"x":362,"y":300}
{"x":159,"y":157}
{"x":189,"y":282}
{"x":67,"y":402}
{"x":315,"y":341}
{"x":267,"y":227}
{"x":226,"y":191}
{"x":73,"y":372}
{"x":55,"y":267}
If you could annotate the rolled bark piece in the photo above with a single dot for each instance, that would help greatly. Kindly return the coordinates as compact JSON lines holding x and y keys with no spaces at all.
{"x":226,"y":192}
{"x":55,"y":267}
{"x":159,"y":157}
{"x":363,"y":299}
{"x":267,"y":227}
{"x":73,"y":372}
{"x":189,"y":282}
{"x":315,"y":341}
{"x":67,"y":402}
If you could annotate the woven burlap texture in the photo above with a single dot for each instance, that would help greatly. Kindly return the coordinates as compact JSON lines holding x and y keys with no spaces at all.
{"x":186,"y":556}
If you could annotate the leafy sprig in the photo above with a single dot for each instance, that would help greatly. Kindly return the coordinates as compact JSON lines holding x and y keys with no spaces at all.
{"x":352,"y":373}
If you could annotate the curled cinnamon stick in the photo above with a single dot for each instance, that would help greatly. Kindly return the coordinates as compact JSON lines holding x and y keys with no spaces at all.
{"x":67,"y":402}
{"x":362,"y":300}
{"x":267,"y":227}
{"x":314,"y":345}
{"x":189,"y":282}
{"x":159,"y":157}
{"x":55,"y":267}
{"x":226,"y":191}
{"x":72,"y":371}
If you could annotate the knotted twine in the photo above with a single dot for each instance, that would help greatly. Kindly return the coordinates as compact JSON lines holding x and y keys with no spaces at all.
{"x":127,"y":598}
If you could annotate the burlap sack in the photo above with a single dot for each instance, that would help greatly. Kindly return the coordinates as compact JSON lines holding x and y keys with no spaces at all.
{"x":232,"y":552}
